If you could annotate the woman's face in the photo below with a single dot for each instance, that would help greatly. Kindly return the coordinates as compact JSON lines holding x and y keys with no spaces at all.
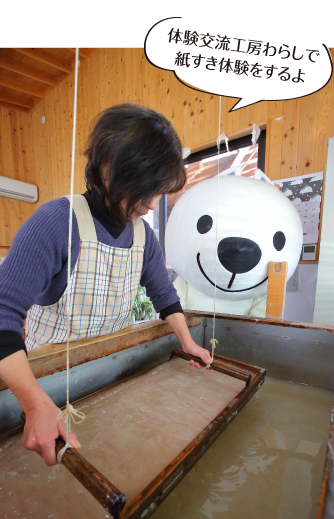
{"x":142,"y":208}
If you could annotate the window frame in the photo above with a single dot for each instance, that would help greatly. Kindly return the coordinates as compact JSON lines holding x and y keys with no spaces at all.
{"x":241,"y":142}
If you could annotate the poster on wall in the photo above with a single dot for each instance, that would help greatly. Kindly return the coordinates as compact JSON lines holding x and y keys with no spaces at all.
{"x":306,"y":193}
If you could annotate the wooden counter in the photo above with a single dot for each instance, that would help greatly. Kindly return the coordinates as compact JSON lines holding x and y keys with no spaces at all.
{"x":50,"y":359}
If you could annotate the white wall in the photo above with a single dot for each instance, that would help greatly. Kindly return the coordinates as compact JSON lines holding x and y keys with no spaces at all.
{"x":299,"y":305}
{"x":324,"y":303}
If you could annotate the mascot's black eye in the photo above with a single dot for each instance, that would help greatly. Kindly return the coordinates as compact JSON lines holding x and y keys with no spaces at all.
{"x":204,"y":224}
{"x":279,"y":240}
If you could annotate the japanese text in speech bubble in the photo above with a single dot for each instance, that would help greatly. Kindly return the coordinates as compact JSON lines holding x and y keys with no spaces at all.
{"x":221,"y":62}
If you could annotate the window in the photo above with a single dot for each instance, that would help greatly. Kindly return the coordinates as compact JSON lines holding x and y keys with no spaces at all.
{"x":203,"y":165}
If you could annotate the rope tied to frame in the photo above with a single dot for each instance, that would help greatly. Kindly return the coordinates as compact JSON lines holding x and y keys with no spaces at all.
{"x":213,"y":344}
{"x":214,"y":341}
{"x":69,"y":412}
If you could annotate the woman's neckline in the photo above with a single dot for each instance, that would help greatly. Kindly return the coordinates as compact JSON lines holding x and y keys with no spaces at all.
{"x":101,"y":213}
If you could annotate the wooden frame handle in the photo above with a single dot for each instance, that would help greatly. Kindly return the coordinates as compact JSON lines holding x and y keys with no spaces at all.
{"x":99,"y":486}
{"x":241,"y":375}
{"x":277,"y":275}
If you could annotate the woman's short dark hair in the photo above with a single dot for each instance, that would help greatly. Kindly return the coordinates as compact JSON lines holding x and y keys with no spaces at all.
{"x":133,"y":153}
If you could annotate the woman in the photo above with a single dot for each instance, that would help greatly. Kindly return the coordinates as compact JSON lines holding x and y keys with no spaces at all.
{"x":133,"y":156}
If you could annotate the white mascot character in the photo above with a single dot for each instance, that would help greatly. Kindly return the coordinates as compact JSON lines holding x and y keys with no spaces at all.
{"x":256,"y":224}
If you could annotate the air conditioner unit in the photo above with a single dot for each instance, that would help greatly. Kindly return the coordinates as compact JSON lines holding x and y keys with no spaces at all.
{"x":16,"y":189}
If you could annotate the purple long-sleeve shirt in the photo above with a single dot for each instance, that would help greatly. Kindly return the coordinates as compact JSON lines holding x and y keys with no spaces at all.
{"x":35,"y":269}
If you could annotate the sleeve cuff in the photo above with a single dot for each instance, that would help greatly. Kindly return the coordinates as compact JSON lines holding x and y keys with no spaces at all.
{"x":175,"y":308}
{"x":10,"y":342}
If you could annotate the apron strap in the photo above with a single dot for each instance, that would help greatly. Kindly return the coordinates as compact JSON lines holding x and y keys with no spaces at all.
{"x":86,"y":224}
{"x":139,"y":234}
{"x":84,"y":218}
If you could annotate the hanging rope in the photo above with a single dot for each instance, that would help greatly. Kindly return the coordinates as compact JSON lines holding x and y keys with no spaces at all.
{"x":69,"y":412}
{"x":214,"y":341}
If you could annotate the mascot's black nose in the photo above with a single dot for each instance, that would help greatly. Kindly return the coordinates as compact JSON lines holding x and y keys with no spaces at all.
{"x":238,"y":255}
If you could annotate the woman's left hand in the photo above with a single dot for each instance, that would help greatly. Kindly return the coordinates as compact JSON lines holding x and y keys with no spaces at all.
{"x":197,"y":351}
{"x":178,"y":324}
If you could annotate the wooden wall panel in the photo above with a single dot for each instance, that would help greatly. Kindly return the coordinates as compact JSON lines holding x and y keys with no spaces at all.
{"x":16,"y":161}
{"x":325,"y":123}
{"x":307,"y":134}
{"x":290,"y":140}
{"x":3,"y":251}
{"x":41,"y":153}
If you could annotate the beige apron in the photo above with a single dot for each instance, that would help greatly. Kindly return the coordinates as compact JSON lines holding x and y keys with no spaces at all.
{"x":102,"y":288}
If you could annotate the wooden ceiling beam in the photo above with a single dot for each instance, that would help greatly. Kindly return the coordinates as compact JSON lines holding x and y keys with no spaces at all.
{"x":20,"y":86}
{"x":61,"y":78}
{"x":47,"y":58}
{"x":16,"y":100}
{"x":24,"y":70}
{"x":83,"y":53}
{"x":14,"y":108}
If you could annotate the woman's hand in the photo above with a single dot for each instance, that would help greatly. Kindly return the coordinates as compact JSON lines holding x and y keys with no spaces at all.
{"x":42,"y":428}
{"x":195,"y":350}
{"x":179,"y":326}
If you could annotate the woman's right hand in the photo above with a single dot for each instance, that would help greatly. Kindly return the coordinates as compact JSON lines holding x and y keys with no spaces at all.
{"x":42,"y":428}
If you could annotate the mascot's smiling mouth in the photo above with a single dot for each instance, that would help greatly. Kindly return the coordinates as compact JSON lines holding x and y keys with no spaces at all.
{"x":223,"y":289}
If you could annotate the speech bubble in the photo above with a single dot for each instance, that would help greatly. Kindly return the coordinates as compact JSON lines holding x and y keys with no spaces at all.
{"x":219,"y":61}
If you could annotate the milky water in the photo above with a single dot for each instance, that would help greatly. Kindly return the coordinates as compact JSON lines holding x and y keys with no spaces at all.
{"x":131,"y":433}
{"x":268,"y":464}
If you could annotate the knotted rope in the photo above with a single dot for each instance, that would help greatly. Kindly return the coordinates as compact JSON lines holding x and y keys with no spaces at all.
{"x":213,"y":340}
{"x":69,"y":412}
